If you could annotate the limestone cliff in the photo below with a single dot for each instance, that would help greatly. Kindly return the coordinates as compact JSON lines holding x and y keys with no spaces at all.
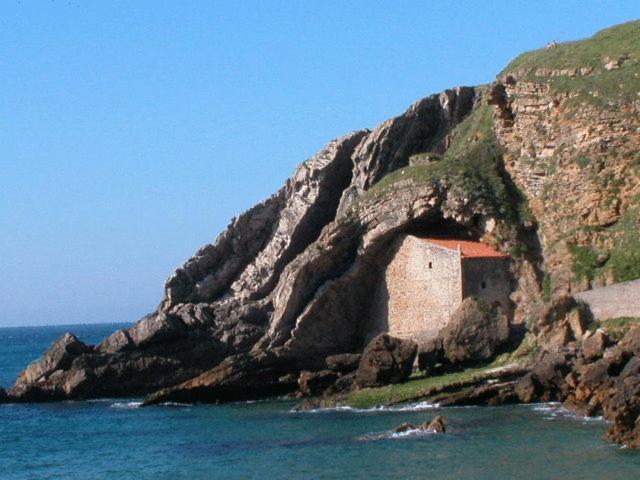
{"x":542,"y":165}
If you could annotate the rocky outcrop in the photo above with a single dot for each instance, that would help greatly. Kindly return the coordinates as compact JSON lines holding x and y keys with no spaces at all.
{"x":437,"y":425}
{"x":239,"y":377}
{"x":33,"y":381}
{"x":3,"y":395}
{"x":424,"y":127}
{"x":474,"y":334}
{"x":287,"y":273}
{"x":343,"y":363}
{"x":386,"y":360}
{"x":316,"y":383}
{"x":527,"y":165}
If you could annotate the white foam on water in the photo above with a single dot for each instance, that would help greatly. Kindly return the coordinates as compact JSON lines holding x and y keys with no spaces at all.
{"x":176,"y":404}
{"x":411,"y":407}
{"x":394,"y":435}
{"x":126,"y":405}
{"x":554,"y":411}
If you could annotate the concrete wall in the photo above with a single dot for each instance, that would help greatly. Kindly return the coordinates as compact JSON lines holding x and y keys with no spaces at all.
{"x":487,"y":278}
{"x":413,"y":300}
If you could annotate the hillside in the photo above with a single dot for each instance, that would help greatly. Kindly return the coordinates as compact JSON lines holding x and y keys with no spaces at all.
{"x":543,"y":164}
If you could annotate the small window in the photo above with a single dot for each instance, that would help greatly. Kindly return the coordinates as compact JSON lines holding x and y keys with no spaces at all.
{"x":430,"y":265}
{"x":483,"y":284}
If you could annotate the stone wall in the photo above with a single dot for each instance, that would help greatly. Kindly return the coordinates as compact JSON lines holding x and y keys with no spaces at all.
{"x":487,"y":278}
{"x":418,"y":291}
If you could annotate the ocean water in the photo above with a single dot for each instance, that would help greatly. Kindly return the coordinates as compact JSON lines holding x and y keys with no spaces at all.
{"x":115,"y":439}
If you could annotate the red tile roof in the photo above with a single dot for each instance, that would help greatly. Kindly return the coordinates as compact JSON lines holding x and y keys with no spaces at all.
{"x":468,"y":248}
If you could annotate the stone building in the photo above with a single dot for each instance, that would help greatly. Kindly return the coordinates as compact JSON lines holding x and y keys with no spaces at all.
{"x":426,"y":279}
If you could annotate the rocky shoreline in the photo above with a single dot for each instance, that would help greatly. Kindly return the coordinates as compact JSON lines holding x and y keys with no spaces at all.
{"x":281,"y":303}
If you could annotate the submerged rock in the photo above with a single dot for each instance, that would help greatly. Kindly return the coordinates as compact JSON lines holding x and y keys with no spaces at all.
{"x":386,"y":360}
{"x":436,"y":425}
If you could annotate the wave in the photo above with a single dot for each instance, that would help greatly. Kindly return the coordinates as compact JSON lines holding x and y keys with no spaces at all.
{"x":410,"y":407}
{"x":175,"y":404}
{"x":126,"y":405}
{"x":555,"y":410}
{"x":368,"y":437}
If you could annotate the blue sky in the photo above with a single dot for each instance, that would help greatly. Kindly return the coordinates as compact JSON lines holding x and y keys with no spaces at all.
{"x":131,"y":132}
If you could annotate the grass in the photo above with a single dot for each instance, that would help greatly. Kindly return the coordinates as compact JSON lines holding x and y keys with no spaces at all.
{"x":615,"y":327}
{"x":601,"y":86}
{"x":471,"y":168}
{"x":623,"y":259}
{"x":417,"y":385}
{"x":585,"y":262}
{"x":546,"y":287}
{"x":420,"y":385}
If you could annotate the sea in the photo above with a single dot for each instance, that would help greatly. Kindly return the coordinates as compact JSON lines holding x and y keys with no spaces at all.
{"x":113,"y":438}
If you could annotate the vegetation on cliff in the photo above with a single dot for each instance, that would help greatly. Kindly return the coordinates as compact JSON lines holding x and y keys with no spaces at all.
{"x":597,"y":76}
{"x":471,"y":168}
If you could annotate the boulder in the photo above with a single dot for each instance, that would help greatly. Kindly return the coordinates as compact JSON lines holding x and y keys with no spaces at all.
{"x":58,"y":357}
{"x":386,"y":360}
{"x":594,"y":346}
{"x":405,"y":427}
{"x":344,"y":382}
{"x":528,"y":389}
{"x":437,"y":425}
{"x":474,"y":334}
{"x":154,"y":329}
{"x":315,"y":383}
{"x":3,"y":395}
{"x":343,"y":363}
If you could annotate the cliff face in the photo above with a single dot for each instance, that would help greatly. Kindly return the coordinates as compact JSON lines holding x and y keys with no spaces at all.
{"x":275,"y":267}
{"x":542,"y":165}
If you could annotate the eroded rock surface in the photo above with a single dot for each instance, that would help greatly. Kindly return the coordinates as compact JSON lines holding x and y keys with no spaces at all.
{"x":474,"y":334}
{"x":289,"y":272}
{"x":386,"y":360}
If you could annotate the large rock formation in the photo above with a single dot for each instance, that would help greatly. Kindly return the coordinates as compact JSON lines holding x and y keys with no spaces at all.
{"x":386,"y":360}
{"x":474,"y":334}
{"x":289,"y":273}
{"x":542,"y":164}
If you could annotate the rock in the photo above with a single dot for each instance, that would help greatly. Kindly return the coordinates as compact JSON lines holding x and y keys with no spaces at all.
{"x":405,"y":427}
{"x":594,"y":346}
{"x":116,"y":342}
{"x":528,"y":389}
{"x":155,"y":329}
{"x":437,"y":425}
{"x":430,"y":354}
{"x":239,"y":377}
{"x":57,"y":358}
{"x":576,"y":322}
{"x":612,"y":64}
{"x":344,"y":383}
{"x":343,"y":363}
{"x":475,"y":332}
{"x":386,"y":360}
{"x":315,"y":383}
{"x":3,"y":395}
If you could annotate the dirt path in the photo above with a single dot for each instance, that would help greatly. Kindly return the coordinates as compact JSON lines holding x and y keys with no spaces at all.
{"x":614,"y":301}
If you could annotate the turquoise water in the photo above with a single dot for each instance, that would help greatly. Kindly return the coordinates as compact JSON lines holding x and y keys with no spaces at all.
{"x":114,"y":439}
